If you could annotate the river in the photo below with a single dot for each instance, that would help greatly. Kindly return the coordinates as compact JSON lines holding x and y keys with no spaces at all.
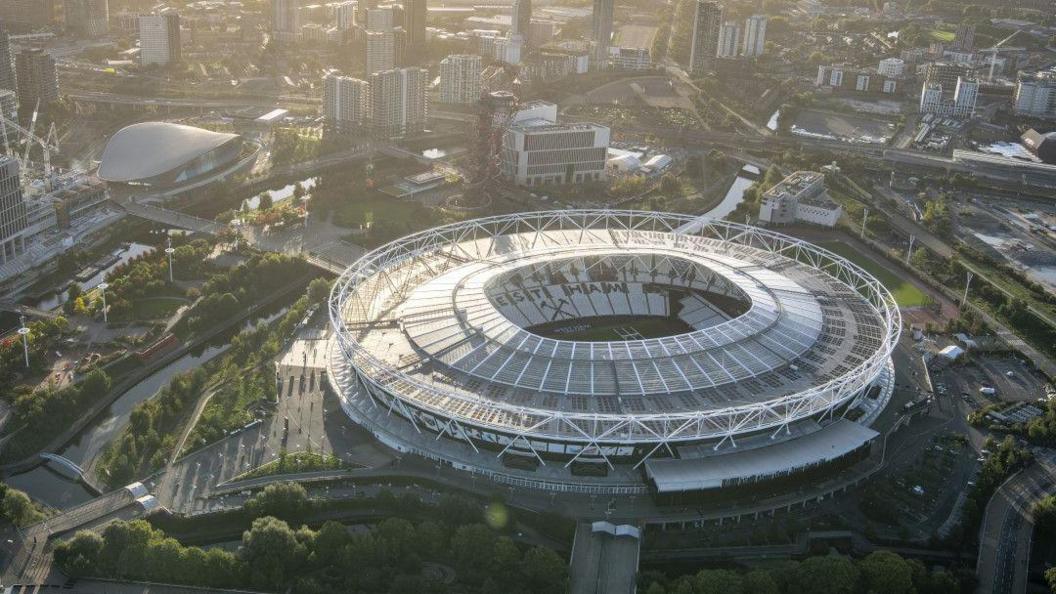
{"x":124,"y":254}
{"x":48,"y":486}
{"x":735,"y":195}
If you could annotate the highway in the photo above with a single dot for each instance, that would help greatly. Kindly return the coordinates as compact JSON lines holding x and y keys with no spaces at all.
{"x":1005,"y":535}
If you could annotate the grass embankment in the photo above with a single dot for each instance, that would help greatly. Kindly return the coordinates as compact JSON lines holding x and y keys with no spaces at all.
{"x":906,"y":294}
{"x":295,"y":463}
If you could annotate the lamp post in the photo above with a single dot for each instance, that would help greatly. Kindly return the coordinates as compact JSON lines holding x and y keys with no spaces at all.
{"x":103,"y":287}
{"x":967,"y":283}
{"x":24,"y":332}
{"x":169,"y":251}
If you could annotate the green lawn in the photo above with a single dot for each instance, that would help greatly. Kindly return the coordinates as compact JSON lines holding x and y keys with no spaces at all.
{"x":904,"y":292}
{"x":156,"y":308}
{"x":944,"y":36}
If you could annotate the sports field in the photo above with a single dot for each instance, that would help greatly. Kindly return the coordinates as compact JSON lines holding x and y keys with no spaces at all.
{"x":906,"y":294}
{"x":612,"y":328}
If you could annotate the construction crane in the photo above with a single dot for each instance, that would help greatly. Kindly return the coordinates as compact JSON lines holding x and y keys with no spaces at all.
{"x":47,"y":146}
{"x":997,"y":48}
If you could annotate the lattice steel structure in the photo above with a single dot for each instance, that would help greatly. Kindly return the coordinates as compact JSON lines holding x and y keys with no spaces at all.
{"x":438,"y":328}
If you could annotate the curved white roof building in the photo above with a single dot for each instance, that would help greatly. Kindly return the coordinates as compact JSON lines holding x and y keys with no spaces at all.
{"x":164,"y":154}
{"x":540,"y":343}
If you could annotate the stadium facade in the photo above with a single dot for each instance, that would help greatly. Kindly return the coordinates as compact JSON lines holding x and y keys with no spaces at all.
{"x":614,"y":352}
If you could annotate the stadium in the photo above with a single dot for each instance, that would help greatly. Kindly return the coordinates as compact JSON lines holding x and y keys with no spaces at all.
{"x":614,"y":352}
{"x":163,"y":154}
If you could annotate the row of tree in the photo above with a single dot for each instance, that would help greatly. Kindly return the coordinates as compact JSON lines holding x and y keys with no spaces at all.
{"x":391,"y":556}
{"x":150,"y":436}
{"x":226,"y":293}
{"x":40,"y":414}
{"x":240,"y":376}
{"x":881,"y":572}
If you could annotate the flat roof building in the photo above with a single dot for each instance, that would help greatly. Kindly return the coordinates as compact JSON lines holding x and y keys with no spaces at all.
{"x":800,"y":197}
{"x":540,"y":151}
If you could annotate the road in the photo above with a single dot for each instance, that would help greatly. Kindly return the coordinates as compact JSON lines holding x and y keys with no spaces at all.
{"x":909,"y":227}
{"x":1005,"y":536}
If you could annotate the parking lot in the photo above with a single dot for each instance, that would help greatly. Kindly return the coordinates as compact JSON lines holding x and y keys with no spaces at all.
{"x":1011,"y":380}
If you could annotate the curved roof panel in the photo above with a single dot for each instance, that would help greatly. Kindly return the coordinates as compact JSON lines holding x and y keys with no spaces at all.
{"x":149,"y":149}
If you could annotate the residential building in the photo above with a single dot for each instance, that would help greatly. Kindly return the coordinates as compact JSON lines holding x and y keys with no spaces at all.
{"x":845,"y":78}
{"x":965,"y":96}
{"x":398,"y":101}
{"x":891,"y":67}
{"x":36,"y":77}
{"x":345,"y":101}
{"x":159,"y":39}
{"x":509,"y":49}
{"x":800,"y":197}
{"x":345,"y":14}
{"x":415,"y":13}
{"x":539,"y":151}
{"x":285,"y":20}
{"x":945,"y":74}
{"x":931,"y":98}
{"x":521,"y":20}
{"x":961,"y":105}
{"x":87,"y":18}
{"x":704,"y":42}
{"x":460,"y":79}
{"x":12,"y":211}
{"x":1036,"y":95}
{"x":381,"y":18}
{"x":7,"y":62}
{"x":729,"y":40}
{"x":964,"y":39}
{"x":754,"y":35}
{"x":381,"y":51}
{"x":601,"y":28}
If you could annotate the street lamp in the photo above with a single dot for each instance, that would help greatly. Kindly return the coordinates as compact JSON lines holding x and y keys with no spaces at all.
{"x":169,"y":251}
{"x":103,"y":287}
{"x":24,"y":332}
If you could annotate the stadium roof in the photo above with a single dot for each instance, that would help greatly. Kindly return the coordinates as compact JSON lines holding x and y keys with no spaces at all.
{"x":833,"y":441}
{"x":149,"y":149}
{"x":446,"y":320}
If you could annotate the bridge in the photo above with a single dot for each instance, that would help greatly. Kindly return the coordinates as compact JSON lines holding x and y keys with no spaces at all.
{"x":70,"y":469}
{"x":172,"y":218}
{"x":8,"y":305}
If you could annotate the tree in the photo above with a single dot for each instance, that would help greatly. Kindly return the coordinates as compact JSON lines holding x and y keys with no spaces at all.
{"x":885,"y":572}
{"x":79,"y":556}
{"x":282,"y":500}
{"x":319,"y":290}
{"x":271,"y":552}
{"x":19,"y":508}
{"x":266,"y":201}
{"x":1050,"y":578}
{"x":1045,"y":516}
{"x":718,"y":581}
{"x":825,"y":575}
{"x":760,"y":582}
{"x":670,"y":186}
{"x":544,"y":571}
